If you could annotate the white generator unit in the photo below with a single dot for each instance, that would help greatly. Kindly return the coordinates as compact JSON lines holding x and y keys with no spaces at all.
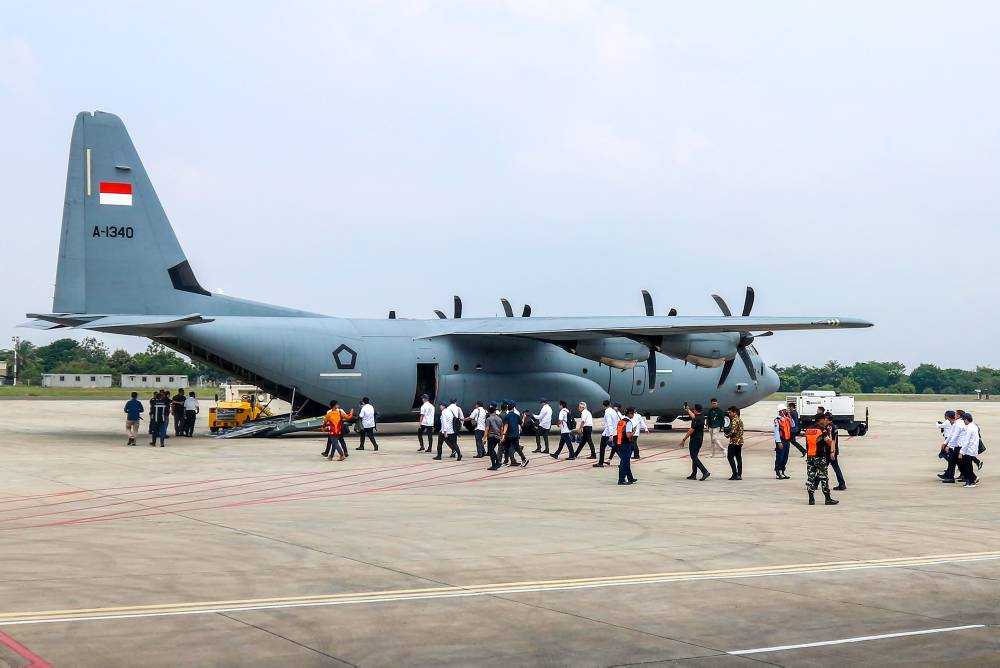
{"x":840,"y":407}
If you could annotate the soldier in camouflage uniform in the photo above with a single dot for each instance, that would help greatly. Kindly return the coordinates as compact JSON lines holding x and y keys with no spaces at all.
{"x":819,"y":447}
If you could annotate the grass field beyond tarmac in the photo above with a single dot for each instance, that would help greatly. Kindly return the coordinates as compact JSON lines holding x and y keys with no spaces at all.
{"x":260,"y":552}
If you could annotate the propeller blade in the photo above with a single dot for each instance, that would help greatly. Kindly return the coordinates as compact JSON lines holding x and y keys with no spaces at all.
{"x":763,"y":334}
{"x":458,"y":306}
{"x":723,"y":306}
{"x":748,"y":302}
{"x":748,"y":363}
{"x":651,"y":367}
{"x":672,"y":311}
{"x":726,"y":368}
{"x":392,"y":315}
{"x":526,"y":311}
{"x":507,"y":310}
{"x":647,"y":301}
{"x":440,"y":314}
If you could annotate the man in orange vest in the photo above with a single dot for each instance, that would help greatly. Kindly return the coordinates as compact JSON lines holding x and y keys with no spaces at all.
{"x":819,"y":447}
{"x":333,"y":423}
{"x":626,"y":431}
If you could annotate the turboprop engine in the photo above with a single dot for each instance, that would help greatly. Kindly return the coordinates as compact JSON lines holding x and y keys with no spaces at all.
{"x":617,"y":351}
{"x":705,"y":350}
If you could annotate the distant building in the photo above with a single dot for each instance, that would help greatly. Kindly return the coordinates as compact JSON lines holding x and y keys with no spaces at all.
{"x":76,"y":380}
{"x":4,"y":380}
{"x":154,"y":380}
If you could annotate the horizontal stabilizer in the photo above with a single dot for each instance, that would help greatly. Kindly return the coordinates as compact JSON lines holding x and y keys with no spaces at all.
{"x":143,"y":325}
{"x":40,"y":324}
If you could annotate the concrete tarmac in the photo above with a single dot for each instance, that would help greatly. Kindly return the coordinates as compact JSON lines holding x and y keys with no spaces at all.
{"x":260,"y":552}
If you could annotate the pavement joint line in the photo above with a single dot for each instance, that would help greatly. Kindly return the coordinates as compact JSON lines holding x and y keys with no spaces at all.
{"x":445,"y":592}
{"x":842,"y":641}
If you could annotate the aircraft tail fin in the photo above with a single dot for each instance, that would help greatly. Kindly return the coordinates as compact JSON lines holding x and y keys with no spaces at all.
{"x":117,"y":250}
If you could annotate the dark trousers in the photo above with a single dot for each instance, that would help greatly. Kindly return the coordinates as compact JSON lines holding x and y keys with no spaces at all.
{"x":625,"y":463}
{"x":734,"y":453}
{"x":781,"y":449}
{"x":541,"y":435}
{"x":440,"y":443}
{"x":586,"y":439}
{"x":513,"y":447}
{"x":835,"y":465}
{"x":179,"y":423}
{"x":965,"y":466}
{"x":797,"y":446}
{"x":479,"y":443}
{"x":429,"y":431}
{"x":452,"y":441}
{"x":492,"y":442}
{"x":565,"y":440}
{"x":635,"y":448}
{"x":605,"y":442}
{"x":335,"y":444}
{"x":696,"y":465}
{"x":158,"y":430}
{"x":189,"y":420}
{"x":368,"y":432}
{"x":952,"y":462}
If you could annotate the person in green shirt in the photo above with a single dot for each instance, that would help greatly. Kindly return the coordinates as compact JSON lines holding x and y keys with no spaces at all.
{"x":716,"y":420}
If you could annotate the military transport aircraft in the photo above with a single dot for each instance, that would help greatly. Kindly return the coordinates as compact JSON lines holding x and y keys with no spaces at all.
{"x":121,"y":270}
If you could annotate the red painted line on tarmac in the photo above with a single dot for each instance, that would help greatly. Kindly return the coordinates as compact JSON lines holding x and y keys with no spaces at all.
{"x":34,"y":661}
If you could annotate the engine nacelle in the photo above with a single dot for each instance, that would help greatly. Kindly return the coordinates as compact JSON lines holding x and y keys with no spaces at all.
{"x":617,"y":351}
{"x":705,"y":350}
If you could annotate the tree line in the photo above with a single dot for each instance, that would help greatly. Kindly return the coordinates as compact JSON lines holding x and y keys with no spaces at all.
{"x":887,"y":378}
{"x":93,"y":356}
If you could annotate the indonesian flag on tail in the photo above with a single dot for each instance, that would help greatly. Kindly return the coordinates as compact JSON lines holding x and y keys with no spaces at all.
{"x":116,"y":194}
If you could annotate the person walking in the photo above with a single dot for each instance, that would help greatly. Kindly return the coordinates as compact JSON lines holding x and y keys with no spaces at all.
{"x":544,"y":419}
{"x":585,"y":426}
{"x":494,"y":436}
{"x":426,"y":426}
{"x":441,"y":434}
{"x":696,"y":435}
{"x":177,"y":408}
{"x":511,"y":436}
{"x":133,"y":414}
{"x":367,"y":415}
{"x":446,"y":430}
{"x":819,"y":445}
{"x":793,"y":413}
{"x":159,"y":416}
{"x":968,"y":451}
{"x":478,"y":419}
{"x":635,"y":437}
{"x":611,"y":418}
{"x":951,"y":431}
{"x":191,"y":410}
{"x":565,"y":432}
{"x":835,"y":453}
{"x":716,"y":421}
{"x":457,"y":421}
{"x":734,"y":453}
{"x":333,"y":423}
{"x":626,"y":431}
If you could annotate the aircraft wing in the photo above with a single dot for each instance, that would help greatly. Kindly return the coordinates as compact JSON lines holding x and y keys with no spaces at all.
{"x":584,"y":328}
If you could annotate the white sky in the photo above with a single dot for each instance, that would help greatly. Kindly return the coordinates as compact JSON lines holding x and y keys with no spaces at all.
{"x":350,"y":158}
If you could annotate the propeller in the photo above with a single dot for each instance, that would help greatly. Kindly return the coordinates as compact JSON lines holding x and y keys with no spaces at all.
{"x":507,"y":310}
{"x":440,"y":314}
{"x":526,"y":311}
{"x":653,"y":343}
{"x":392,"y":315}
{"x":746,"y":338}
{"x":458,"y":306}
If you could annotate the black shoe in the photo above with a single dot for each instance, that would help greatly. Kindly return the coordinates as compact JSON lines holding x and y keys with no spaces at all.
{"x":360,"y":447}
{"x":459,"y":458}
{"x":536,"y":450}
{"x":783,"y":476}
{"x":524,"y":464}
{"x":375,"y":449}
{"x":478,"y":456}
{"x":840,"y":488}
{"x":635,"y":457}
{"x":622,"y":483}
{"x":692,"y":477}
{"x":493,"y":468}
{"x":571,"y":457}
{"x":633,"y":481}
{"x":705,"y":477}
{"x":421,"y":449}
{"x":546,"y":452}
{"x":947,"y":480}
{"x":162,"y":445}
{"x":979,"y":466}
{"x":733,"y":477}
{"x":596,"y":466}
{"x":943,"y":476}
{"x":553,"y":456}
{"x":812,"y":498}
{"x":438,"y":457}
{"x":739,"y":477}
{"x":830,"y":502}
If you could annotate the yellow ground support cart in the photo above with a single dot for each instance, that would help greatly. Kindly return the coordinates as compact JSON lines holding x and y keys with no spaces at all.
{"x":239,"y":404}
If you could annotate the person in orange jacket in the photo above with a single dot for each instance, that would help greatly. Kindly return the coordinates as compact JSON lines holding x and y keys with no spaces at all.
{"x":333,"y":424}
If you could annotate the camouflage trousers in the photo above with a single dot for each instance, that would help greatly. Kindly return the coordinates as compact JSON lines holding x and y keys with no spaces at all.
{"x":816,"y":474}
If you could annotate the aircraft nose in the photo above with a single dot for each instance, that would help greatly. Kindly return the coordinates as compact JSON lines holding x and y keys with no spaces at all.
{"x":770,"y":382}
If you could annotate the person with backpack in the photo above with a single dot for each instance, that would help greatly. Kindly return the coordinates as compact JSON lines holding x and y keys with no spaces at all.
{"x":159,"y":416}
{"x":451,"y":423}
{"x":566,"y":426}
{"x":426,"y":427}
{"x":625,"y":431}
{"x":968,"y":449}
{"x":333,"y":424}
{"x":367,"y":415}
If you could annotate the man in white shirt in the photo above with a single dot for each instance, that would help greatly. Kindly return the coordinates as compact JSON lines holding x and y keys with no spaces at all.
{"x":426,"y":423}
{"x":451,"y":420}
{"x":585,"y":426}
{"x":544,"y":418}
{"x":565,"y":433}
{"x":611,"y":418}
{"x":951,"y":445}
{"x":641,"y":427}
{"x":968,"y":449}
{"x":191,"y":409}
{"x":478,"y":417}
{"x":367,"y":416}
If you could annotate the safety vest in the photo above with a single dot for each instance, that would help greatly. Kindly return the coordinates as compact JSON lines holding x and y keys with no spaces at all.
{"x":335,"y":421}
{"x":785,"y":424}
{"x":620,"y":430}
{"x":812,"y":440}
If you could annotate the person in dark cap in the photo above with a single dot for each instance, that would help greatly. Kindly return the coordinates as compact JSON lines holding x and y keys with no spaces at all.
{"x":952,"y":430}
{"x":512,"y":436}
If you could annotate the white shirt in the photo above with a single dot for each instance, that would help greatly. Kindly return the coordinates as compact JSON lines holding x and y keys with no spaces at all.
{"x":563,"y":420}
{"x":611,"y":418}
{"x":191,"y":404}
{"x":479,"y":415}
{"x":544,"y":417}
{"x":956,"y":434}
{"x":970,"y":440}
{"x":427,"y":414}
{"x":635,"y":425}
{"x":641,"y":421}
{"x":367,"y":415}
{"x":447,"y":417}
{"x":586,"y":419}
